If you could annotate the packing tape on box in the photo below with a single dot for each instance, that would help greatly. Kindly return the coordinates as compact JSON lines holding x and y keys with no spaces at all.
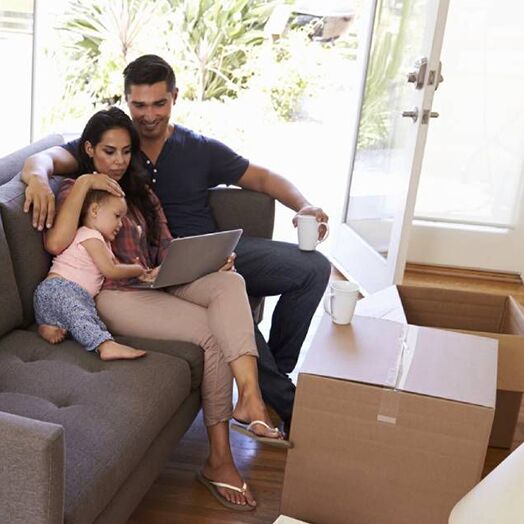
{"x":397,"y":376}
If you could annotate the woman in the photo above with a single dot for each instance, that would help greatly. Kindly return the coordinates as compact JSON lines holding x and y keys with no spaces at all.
{"x":212,"y":311}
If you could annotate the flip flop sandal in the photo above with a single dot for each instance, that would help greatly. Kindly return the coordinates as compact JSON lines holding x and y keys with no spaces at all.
{"x":212,"y":487}
{"x":241,"y":427}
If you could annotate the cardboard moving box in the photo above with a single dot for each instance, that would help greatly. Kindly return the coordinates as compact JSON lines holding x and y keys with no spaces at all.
{"x":495,"y":316}
{"x":390,"y":425}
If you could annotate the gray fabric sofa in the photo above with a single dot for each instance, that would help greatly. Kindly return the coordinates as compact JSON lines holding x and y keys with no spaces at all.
{"x":82,"y":440}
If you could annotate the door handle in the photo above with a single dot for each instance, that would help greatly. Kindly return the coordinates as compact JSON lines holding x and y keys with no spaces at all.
{"x":418,"y":75}
{"x":411,"y":114}
{"x":427,"y":114}
{"x":435,"y":77}
{"x":440,"y":78}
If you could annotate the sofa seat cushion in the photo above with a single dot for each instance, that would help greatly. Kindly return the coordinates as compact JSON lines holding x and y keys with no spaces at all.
{"x":187,"y":351}
{"x":111,"y":411}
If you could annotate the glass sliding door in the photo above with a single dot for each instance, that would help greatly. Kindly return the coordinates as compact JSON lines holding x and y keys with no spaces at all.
{"x":469,"y":205}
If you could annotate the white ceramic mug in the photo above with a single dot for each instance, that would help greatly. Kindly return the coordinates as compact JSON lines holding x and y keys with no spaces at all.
{"x":340,"y":301}
{"x":308,"y":231}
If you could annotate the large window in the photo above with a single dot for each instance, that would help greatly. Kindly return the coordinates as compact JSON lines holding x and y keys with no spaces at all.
{"x":274,"y":84}
{"x":16,"y":64}
{"x":470,"y":200}
{"x":474,"y":157}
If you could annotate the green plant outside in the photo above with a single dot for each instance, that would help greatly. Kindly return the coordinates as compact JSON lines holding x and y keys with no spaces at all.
{"x":100,"y":38}
{"x":211,"y":41}
{"x":384,"y":65}
{"x":218,"y":50}
{"x":207,"y":41}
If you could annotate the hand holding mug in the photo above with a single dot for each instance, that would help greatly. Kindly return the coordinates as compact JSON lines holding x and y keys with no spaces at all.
{"x":310,"y":232}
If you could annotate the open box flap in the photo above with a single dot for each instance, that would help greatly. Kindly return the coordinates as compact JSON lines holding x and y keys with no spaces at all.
{"x":385,"y":304}
{"x":454,"y":366}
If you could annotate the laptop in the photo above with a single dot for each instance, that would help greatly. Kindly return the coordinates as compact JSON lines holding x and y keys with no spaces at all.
{"x":189,"y":258}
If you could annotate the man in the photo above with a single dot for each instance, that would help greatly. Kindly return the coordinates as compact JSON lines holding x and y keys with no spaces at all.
{"x":182,"y":166}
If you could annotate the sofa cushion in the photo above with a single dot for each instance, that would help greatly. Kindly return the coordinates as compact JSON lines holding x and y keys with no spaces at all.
{"x":10,"y":165}
{"x":10,"y":305}
{"x":30,"y":260}
{"x":234,"y":208}
{"x":187,"y":351}
{"x":111,"y":411}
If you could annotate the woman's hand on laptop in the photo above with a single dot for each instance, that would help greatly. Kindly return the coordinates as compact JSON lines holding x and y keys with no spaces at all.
{"x":230,"y":263}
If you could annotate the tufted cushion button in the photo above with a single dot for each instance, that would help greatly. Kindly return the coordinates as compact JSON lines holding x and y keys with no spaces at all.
{"x":30,"y":360}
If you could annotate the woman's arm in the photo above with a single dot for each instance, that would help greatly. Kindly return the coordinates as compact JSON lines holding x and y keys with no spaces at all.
{"x":65,"y":226}
{"x":107,"y":264}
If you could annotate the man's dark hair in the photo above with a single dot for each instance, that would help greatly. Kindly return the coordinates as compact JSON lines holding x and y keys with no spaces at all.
{"x":148,"y":69}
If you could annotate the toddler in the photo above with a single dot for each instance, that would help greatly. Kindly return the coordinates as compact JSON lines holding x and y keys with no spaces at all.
{"x":64,"y":301}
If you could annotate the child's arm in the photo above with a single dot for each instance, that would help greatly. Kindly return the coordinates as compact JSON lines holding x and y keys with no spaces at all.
{"x":65,"y":226}
{"x":107,"y":265}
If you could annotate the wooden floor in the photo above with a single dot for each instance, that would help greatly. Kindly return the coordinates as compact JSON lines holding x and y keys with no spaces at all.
{"x":177,"y":498}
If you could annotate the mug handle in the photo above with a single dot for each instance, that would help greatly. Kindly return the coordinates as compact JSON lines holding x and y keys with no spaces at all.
{"x":327,"y":231}
{"x":328,"y":303}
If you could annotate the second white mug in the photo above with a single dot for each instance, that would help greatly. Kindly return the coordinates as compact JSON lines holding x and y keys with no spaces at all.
{"x":340,"y":301}
{"x":308,"y":231}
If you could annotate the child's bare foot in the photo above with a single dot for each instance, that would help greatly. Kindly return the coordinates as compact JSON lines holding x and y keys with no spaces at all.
{"x":52,"y":334}
{"x":111,"y":350}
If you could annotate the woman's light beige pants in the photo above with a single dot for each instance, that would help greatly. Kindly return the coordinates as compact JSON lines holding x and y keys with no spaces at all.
{"x":212,"y":312}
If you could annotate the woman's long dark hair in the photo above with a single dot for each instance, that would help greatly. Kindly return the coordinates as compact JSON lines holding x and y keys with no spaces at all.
{"x":134,"y":182}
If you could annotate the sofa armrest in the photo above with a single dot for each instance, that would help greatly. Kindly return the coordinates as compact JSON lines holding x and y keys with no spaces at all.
{"x":31,"y":471}
{"x":235,"y":208}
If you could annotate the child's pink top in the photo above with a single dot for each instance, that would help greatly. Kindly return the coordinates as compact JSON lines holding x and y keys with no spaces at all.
{"x":75,"y":264}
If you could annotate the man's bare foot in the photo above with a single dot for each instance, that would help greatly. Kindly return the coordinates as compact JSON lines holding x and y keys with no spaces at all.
{"x":52,"y":334}
{"x":228,"y":474}
{"x":252,"y":407}
{"x":111,"y":350}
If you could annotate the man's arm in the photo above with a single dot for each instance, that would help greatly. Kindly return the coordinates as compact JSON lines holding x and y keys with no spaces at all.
{"x":35,"y":173}
{"x":263,"y":180}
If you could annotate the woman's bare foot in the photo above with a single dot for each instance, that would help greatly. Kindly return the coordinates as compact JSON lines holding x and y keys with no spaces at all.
{"x":228,"y":474}
{"x":52,"y":334}
{"x":252,"y":407}
{"x":111,"y":350}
